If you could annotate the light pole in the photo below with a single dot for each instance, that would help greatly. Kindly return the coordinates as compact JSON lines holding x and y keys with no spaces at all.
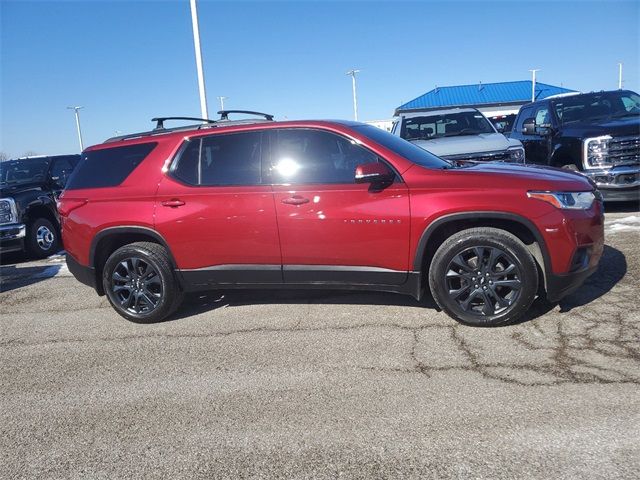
{"x":222,"y":99}
{"x":196,"y":44}
{"x":620,"y":76}
{"x":533,"y":83}
{"x":352,"y":73}
{"x":76,"y":110}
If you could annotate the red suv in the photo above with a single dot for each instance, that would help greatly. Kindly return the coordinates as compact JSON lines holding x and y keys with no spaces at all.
{"x":322,"y":204}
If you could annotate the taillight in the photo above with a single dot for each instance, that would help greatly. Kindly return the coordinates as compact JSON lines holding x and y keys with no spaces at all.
{"x":67,"y":205}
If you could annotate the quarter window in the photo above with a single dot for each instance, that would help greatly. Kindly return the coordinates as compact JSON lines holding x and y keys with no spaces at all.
{"x":221,"y":160}
{"x":108,"y":167}
{"x":314,"y":156}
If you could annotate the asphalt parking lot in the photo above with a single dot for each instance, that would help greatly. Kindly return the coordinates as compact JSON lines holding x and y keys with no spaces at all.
{"x":302,"y":384}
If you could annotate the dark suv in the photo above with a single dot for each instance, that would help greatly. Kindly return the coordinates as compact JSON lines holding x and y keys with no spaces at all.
{"x":29,"y":188}
{"x":322,"y":204}
{"x":597,"y":134}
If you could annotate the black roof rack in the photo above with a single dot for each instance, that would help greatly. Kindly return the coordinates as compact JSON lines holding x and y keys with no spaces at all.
{"x":207,"y":123}
{"x":160,"y":120}
{"x":224,"y":114}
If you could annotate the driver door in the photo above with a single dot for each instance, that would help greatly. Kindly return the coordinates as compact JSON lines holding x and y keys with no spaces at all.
{"x":332,"y":229}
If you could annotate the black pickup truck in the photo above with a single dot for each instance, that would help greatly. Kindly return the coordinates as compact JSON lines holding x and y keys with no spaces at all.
{"x":29,"y":188}
{"x":596,"y":133}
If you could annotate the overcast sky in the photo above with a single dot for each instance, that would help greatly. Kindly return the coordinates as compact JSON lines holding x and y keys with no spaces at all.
{"x":126,"y":62}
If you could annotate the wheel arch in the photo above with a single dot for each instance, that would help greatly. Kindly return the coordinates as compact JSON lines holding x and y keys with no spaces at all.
{"x":443,"y":227}
{"x":110,"y":239}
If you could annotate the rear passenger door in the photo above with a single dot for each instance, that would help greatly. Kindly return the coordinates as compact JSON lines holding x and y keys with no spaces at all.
{"x":332,"y":229}
{"x":216,"y":214}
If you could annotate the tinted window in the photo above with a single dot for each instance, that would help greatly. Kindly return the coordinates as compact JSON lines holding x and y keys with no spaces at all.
{"x":403,"y":148}
{"x":108,"y":167}
{"x":315,"y":156}
{"x":220,"y":160}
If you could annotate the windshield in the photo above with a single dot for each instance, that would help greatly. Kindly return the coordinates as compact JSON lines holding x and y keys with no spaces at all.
{"x":403,"y":148}
{"x":18,"y":172}
{"x":595,"y":106}
{"x":451,"y":124}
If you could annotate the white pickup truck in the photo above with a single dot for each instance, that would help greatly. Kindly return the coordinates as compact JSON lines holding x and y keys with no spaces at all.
{"x":458,"y":134}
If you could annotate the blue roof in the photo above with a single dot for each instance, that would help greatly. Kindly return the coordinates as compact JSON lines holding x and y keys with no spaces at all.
{"x":481,"y":94}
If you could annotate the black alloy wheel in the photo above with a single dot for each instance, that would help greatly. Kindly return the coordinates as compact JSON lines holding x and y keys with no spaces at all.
{"x":483,"y":277}
{"x":483,"y":281}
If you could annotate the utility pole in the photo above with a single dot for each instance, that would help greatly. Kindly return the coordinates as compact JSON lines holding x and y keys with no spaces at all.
{"x":76,"y":110}
{"x":533,"y":83}
{"x":196,"y":43}
{"x":222,"y":99}
{"x":352,"y":73}
{"x":620,"y":76}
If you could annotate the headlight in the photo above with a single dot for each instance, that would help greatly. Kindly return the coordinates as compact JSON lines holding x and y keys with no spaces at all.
{"x":7,"y":210}
{"x":516,"y":154}
{"x":595,"y":152}
{"x":568,"y":200}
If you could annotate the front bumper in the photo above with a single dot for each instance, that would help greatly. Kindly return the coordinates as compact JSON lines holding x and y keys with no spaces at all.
{"x":617,"y":184}
{"x":12,"y":237}
{"x":559,"y":286}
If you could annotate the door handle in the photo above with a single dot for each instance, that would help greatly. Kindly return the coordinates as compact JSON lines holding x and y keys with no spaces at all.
{"x":173,"y":203}
{"x":295,"y":200}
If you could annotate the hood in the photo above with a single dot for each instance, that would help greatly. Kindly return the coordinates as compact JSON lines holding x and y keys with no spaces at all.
{"x":463,"y":144}
{"x":616,"y":127}
{"x":13,"y":190}
{"x":493,"y":176}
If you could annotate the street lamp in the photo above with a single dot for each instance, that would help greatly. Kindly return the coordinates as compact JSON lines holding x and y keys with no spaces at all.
{"x":620,"y":76}
{"x":76,"y":110}
{"x":533,"y":83}
{"x":352,"y":73}
{"x":222,"y":99}
{"x":196,"y":44}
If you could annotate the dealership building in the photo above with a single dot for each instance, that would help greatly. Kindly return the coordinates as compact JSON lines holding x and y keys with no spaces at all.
{"x":492,"y":99}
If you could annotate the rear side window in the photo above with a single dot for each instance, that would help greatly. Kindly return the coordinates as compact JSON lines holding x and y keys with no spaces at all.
{"x":108,"y":167}
{"x":221,"y":160}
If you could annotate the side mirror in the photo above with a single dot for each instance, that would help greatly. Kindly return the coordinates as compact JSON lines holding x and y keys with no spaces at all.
{"x":529,"y":126}
{"x":375,"y":173}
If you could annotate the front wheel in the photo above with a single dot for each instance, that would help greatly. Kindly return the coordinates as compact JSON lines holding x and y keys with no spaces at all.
{"x":140,"y":283}
{"x":483,"y":277}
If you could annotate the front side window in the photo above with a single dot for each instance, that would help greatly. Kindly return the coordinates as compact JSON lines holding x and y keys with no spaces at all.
{"x":60,"y":171}
{"x":524,"y":114}
{"x":542,"y":116}
{"x":221,"y":160}
{"x":314,"y":156}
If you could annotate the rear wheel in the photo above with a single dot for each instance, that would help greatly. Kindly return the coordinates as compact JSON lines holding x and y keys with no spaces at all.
{"x":140,"y":283}
{"x":42,"y":239}
{"x":483,"y":277}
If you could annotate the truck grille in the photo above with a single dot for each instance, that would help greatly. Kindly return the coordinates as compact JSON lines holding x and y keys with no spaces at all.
{"x":499,"y":156}
{"x":624,"y":150}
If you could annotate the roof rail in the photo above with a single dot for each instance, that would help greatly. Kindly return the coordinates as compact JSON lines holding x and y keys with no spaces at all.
{"x":160,"y":120}
{"x":224,"y":114}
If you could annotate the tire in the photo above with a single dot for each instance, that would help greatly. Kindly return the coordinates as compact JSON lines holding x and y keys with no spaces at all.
{"x":478,"y":300}
{"x":140,"y":283}
{"x":43,"y":238}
